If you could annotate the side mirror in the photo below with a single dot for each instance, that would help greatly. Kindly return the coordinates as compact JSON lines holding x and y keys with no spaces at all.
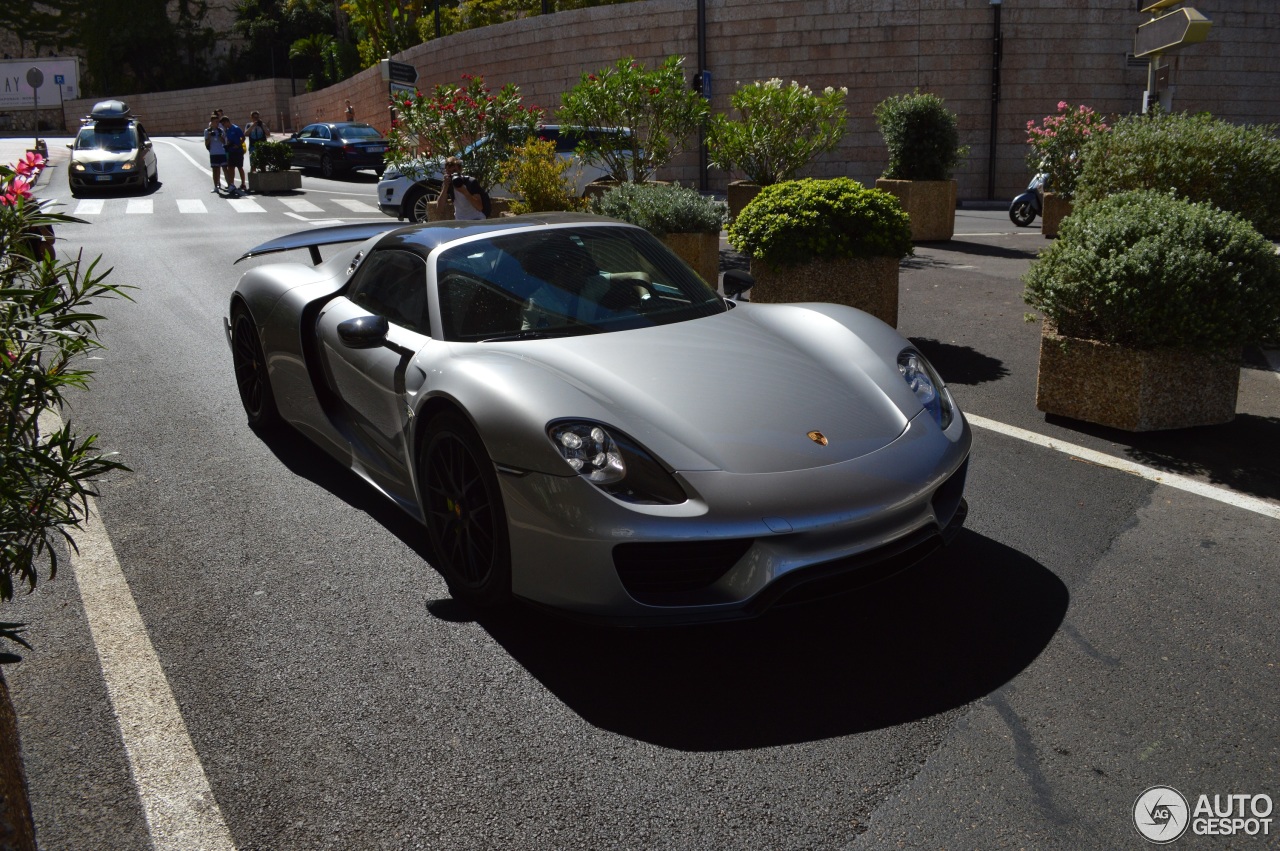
{"x":293,"y":137}
{"x":737,"y":282}
{"x":363,"y":332}
{"x":70,"y":147}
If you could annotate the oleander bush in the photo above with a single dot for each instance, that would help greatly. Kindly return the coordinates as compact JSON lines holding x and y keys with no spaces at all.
{"x":47,"y":327}
{"x":1147,"y":269}
{"x":1200,"y":158}
{"x":922,"y":136}
{"x":801,"y":220}
{"x":661,"y":209}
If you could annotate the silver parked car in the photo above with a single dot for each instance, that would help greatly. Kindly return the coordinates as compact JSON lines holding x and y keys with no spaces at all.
{"x":579,"y":421}
{"x":111,"y":150}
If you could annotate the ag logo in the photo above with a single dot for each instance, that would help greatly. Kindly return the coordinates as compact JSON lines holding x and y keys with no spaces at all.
{"x":1161,"y":815}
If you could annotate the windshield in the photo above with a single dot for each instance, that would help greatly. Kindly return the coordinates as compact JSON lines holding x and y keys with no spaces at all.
{"x":563,"y":282}
{"x":106,"y":139}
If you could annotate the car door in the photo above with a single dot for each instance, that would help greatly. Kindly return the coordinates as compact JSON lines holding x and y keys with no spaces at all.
{"x":304,"y":153}
{"x":373,"y":384}
{"x":149,"y":162}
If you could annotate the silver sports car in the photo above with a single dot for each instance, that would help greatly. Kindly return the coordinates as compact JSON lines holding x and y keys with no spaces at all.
{"x":579,"y":421}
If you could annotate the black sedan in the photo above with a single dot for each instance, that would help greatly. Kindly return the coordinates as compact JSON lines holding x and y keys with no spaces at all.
{"x":338,"y":147}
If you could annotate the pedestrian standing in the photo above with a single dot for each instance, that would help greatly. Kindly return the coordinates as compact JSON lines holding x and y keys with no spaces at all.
{"x":351,"y":112}
{"x":215,"y":143}
{"x":234,"y":141}
{"x":257,"y":133}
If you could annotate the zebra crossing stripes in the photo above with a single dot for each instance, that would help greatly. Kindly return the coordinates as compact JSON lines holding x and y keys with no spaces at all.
{"x":296,"y":207}
{"x":191,"y":205}
{"x":354,"y":205}
{"x":139,"y":206}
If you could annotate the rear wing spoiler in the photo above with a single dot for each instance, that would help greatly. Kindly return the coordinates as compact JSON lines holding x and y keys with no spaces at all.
{"x":313,"y":239}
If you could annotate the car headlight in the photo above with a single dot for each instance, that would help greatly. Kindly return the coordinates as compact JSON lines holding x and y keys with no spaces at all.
{"x":126,"y":166}
{"x":614,"y":462}
{"x":391,"y":174}
{"x":77,"y":166}
{"x":925,"y":383}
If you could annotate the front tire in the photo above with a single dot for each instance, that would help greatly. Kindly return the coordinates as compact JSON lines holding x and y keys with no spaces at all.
{"x":1022,"y":214}
{"x":252,"y":379}
{"x":417,"y":207}
{"x":466,"y":520}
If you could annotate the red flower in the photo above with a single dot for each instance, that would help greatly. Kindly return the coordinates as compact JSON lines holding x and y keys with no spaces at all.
{"x":29,"y":164}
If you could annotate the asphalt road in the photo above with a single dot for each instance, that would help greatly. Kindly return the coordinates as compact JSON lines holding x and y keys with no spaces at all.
{"x":1089,"y":635}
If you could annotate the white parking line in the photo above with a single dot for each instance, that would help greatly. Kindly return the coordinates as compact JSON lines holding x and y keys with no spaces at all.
{"x":89,"y":207}
{"x":1223,"y":495}
{"x":191,"y":205}
{"x":139,"y":206}
{"x":181,"y":812}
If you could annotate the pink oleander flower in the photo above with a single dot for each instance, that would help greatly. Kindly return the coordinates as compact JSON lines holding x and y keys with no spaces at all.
{"x":17,"y":190}
{"x":29,"y":164}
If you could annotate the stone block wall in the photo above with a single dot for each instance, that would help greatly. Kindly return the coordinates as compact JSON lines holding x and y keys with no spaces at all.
{"x":186,"y":112}
{"x":1052,"y":50}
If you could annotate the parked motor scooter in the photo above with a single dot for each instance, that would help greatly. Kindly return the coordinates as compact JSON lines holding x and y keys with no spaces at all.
{"x":1024,"y":209}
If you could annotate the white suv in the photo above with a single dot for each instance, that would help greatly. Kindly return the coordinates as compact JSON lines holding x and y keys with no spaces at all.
{"x":408,"y":196}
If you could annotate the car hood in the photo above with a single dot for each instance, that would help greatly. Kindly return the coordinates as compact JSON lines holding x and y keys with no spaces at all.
{"x":740,"y":391}
{"x":99,"y":155}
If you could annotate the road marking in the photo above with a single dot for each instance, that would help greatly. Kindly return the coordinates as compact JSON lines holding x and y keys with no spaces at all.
{"x":300,"y":205}
{"x":1223,"y":495}
{"x":139,"y":206}
{"x":89,"y":207}
{"x":191,"y":205}
{"x":205,"y":167}
{"x":354,"y":206}
{"x":245,"y":205}
{"x":181,"y":812}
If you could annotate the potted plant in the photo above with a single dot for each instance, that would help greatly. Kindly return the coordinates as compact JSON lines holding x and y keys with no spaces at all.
{"x":537,"y":177}
{"x":825,"y":240}
{"x":657,"y":108}
{"x":778,"y":131}
{"x":1147,"y":301}
{"x":1201,"y":158}
{"x":686,"y":221}
{"x":273,"y":171}
{"x":924,"y":149}
{"x":1057,"y":150}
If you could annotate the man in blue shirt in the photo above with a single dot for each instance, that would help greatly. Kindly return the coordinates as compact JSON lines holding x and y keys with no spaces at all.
{"x":235,"y":154}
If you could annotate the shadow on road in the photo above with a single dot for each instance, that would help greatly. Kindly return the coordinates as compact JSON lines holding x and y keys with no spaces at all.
{"x":960,"y":364}
{"x":939,"y":636}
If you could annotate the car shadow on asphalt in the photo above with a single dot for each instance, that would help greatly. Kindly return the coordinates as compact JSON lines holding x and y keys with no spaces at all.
{"x":936,"y":637}
{"x":1240,"y":455}
{"x":960,"y":364}
{"x":940,"y":635}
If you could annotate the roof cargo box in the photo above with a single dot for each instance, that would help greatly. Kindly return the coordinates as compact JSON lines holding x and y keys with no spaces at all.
{"x":108,"y":109}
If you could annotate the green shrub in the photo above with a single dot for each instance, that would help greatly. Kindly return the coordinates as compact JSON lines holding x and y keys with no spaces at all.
{"x":272,"y":156}
{"x":791,"y":223}
{"x":661,"y":209}
{"x":536,"y":175}
{"x":780,"y":129}
{"x":922,"y":137}
{"x":1201,"y":158}
{"x":1148,"y":270}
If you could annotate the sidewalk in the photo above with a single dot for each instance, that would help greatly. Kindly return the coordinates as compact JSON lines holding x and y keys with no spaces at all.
{"x":14,"y":148}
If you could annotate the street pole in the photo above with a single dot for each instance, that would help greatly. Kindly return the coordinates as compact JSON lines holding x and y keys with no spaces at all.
{"x":996,"y":51}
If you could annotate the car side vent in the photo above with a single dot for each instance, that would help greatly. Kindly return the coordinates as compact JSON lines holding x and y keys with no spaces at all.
{"x":672,"y":573}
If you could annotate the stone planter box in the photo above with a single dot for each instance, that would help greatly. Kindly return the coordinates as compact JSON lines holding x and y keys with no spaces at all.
{"x":1055,"y":210}
{"x":1135,"y":390}
{"x":738,"y":194}
{"x":701,"y":251}
{"x":930,"y":204}
{"x":274,"y":181}
{"x":869,"y":284}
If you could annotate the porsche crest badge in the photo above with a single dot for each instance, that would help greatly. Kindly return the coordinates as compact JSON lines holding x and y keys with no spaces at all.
{"x":818,"y":438}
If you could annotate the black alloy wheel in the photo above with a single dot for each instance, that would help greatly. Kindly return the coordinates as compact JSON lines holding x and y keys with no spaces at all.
{"x":466,"y":521}
{"x":326,"y":165}
{"x":1021,"y":214}
{"x":252,"y":379}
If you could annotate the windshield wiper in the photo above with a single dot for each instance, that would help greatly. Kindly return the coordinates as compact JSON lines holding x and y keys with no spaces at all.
{"x":519,"y":335}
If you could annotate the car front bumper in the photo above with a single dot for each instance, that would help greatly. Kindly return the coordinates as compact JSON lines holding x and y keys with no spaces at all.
{"x":741,"y":543}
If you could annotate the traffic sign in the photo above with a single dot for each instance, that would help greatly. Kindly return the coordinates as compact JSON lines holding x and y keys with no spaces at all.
{"x":35,"y":78}
{"x":1176,"y":29}
{"x":399,"y":72}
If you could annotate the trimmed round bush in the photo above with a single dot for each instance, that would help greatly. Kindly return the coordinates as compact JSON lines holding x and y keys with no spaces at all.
{"x":801,"y":220}
{"x":922,"y":137}
{"x":1199,"y":157}
{"x":661,"y":209}
{"x":272,"y":156}
{"x":1148,"y":270}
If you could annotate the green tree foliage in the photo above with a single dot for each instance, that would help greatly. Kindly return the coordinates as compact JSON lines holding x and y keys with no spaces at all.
{"x":779,"y":129}
{"x":271,"y":27}
{"x":537,"y":177}
{"x":658,"y":107}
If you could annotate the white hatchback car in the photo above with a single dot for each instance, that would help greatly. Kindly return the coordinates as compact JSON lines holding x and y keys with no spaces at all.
{"x":409,"y":196}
